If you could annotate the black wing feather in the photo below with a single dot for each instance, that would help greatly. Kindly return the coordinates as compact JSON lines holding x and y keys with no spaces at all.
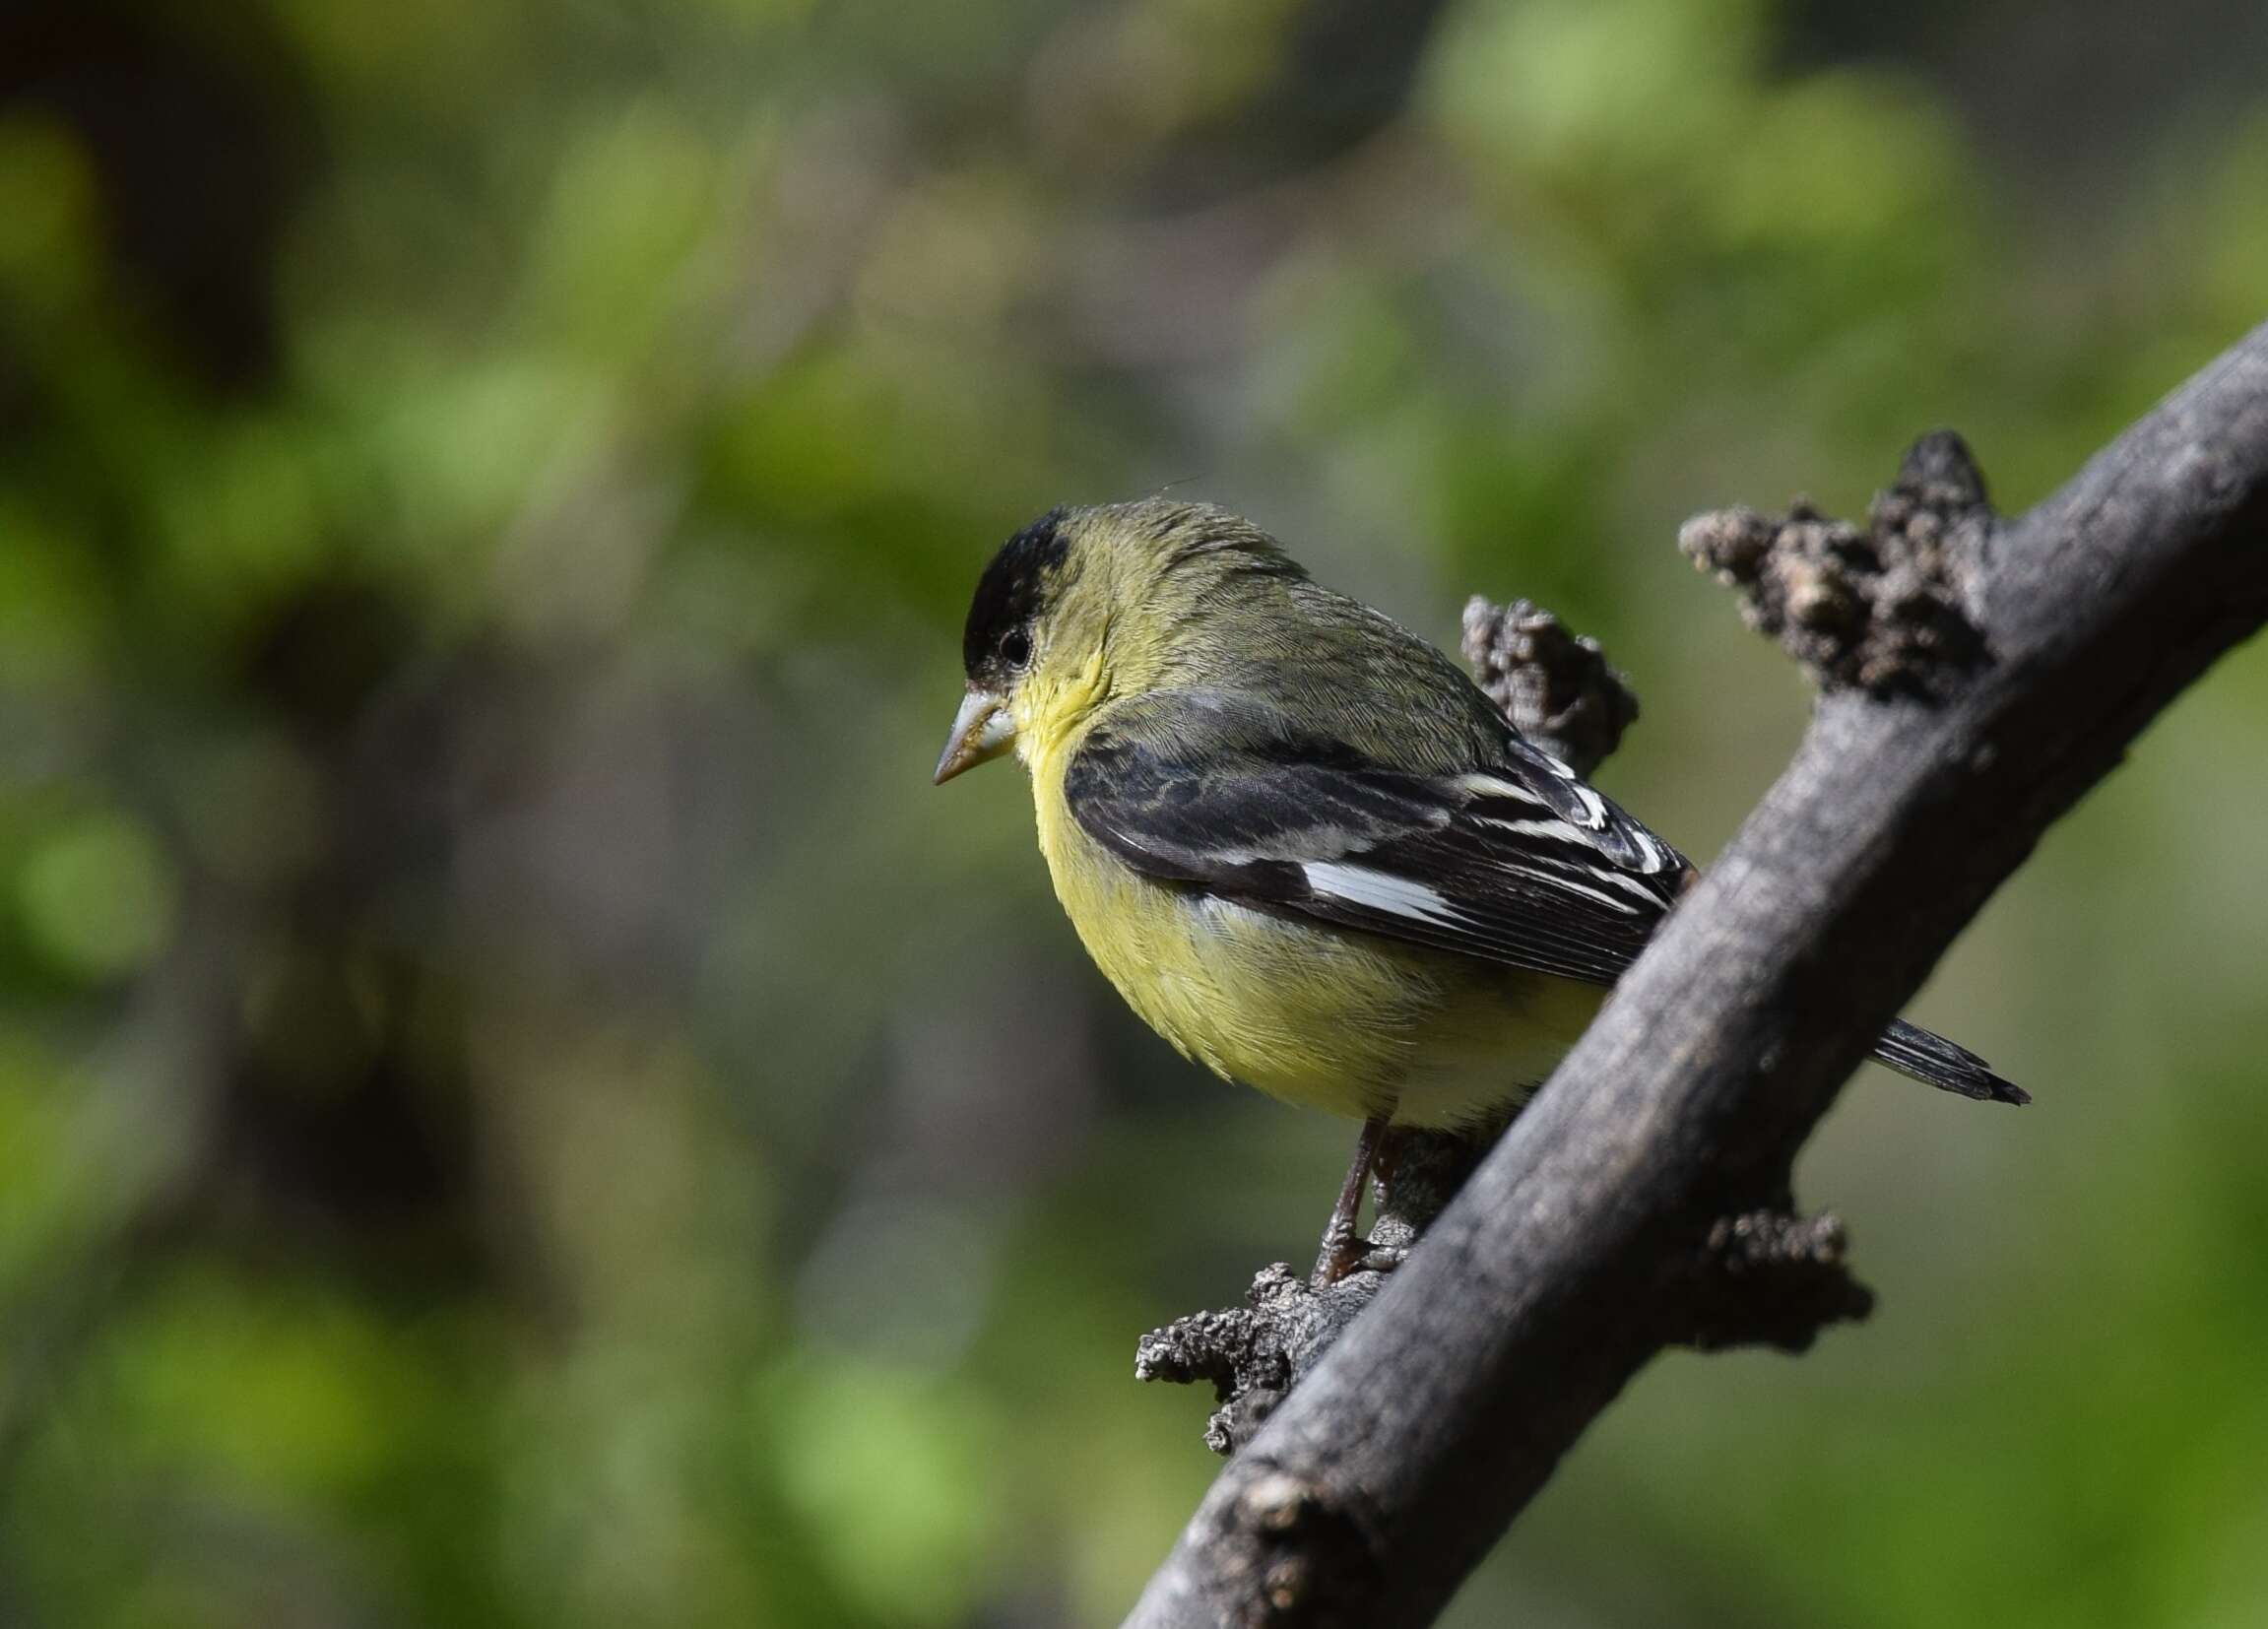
{"x":1515,"y":861}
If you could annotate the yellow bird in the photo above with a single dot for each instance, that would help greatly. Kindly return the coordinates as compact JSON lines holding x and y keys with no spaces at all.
{"x":1299,"y":840}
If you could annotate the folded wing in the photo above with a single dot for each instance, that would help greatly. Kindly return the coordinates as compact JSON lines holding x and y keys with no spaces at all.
{"x":1515,"y":860}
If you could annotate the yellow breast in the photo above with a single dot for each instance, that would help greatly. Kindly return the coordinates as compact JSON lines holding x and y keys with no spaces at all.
{"x":1339,"y":1021}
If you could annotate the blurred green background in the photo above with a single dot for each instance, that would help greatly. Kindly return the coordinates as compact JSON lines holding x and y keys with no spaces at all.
{"x":519,"y":1106}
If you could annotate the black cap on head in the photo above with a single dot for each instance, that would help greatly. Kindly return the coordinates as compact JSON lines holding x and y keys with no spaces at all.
{"x":998,"y":638}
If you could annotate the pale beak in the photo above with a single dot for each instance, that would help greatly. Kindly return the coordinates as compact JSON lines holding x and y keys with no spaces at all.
{"x":981,"y":729}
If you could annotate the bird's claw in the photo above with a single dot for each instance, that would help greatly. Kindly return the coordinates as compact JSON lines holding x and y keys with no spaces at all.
{"x":1342,"y":1258}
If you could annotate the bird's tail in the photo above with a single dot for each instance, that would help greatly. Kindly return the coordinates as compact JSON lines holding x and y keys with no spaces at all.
{"x":1935,"y":1060}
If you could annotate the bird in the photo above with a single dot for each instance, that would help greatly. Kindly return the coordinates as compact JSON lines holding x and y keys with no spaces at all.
{"x":1301,"y":842}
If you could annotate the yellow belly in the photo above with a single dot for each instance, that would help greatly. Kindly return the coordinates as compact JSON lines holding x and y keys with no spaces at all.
{"x":1328,"y":1018}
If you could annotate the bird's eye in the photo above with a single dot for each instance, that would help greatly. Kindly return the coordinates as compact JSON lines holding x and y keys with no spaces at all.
{"x":1016,"y":648}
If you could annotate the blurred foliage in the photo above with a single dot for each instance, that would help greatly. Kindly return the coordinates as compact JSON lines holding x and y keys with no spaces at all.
{"x":519,"y":1105}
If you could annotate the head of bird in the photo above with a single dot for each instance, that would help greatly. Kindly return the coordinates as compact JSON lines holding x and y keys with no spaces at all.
{"x":1087,"y":604}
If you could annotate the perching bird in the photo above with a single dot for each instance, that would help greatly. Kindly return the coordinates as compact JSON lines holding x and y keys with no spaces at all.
{"x":1299,"y":840}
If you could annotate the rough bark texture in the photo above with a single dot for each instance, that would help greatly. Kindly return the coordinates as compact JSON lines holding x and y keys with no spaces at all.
{"x":1386,"y":1475}
{"x":1885,"y":609}
{"x":1554,"y":686}
{"x":1254,"y":1354}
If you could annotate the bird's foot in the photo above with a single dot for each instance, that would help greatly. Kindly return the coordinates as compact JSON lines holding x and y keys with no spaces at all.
{"x":1342,"y":1258}
{"x":1342,"y":1251}
{"x":1341,"y":1255}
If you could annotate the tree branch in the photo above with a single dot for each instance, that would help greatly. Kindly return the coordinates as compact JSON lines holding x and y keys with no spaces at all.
{"x":1554,"y":686}
{"x":1391,"y":1470}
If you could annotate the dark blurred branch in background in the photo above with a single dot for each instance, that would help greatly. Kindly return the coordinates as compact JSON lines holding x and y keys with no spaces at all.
{"x":202,"y":139}
{"x":1401,"y":1459}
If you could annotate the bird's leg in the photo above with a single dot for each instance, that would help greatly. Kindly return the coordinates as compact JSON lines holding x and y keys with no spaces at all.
{"x":1342,"y":1251}
{"x":1384,"y":1164}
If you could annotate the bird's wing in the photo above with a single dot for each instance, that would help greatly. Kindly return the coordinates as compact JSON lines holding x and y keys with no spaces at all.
{"x":1517,"y":860}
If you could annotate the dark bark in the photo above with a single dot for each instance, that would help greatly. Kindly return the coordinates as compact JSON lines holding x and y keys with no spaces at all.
{"x":1554,"y":686}
{"x":1394,"y":1465}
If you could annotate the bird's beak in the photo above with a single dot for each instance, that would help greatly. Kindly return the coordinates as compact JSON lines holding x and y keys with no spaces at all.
{"x":981,"y":729}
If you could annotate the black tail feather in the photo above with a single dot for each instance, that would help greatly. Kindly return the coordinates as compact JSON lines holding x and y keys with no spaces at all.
{"x":1935,"y":1060}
